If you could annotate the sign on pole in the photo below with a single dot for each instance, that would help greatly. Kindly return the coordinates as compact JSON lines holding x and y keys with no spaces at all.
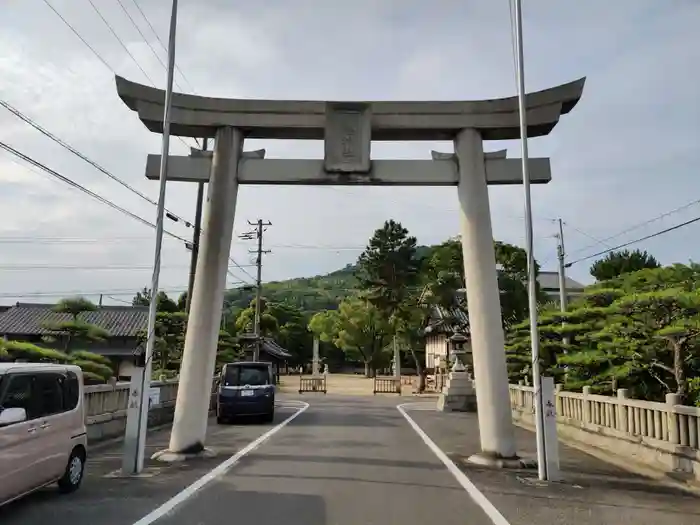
{"x":551,"y":440}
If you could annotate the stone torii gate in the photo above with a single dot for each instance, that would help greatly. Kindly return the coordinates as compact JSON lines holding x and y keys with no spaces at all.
{"x":348,"y":129}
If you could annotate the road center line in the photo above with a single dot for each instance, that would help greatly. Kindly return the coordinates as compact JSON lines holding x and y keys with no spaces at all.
{"x":477,"y":496}
{"x":218,"y":471}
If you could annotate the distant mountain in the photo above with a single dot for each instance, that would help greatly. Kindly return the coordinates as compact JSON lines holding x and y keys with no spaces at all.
{"x":310,"y":294}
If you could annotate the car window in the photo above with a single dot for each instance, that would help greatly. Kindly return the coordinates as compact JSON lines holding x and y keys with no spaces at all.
{"x":49,"y":394}
{"x":20,"y":394}
{"x":71,"y":391}
{"x":246,"y":375}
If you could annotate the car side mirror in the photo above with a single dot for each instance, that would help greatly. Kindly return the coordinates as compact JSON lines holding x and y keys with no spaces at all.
{"x":12,"y":416}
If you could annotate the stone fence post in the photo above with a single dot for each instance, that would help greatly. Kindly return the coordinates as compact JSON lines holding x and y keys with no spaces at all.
{"x":673,"y":431}
{"x":622,"y":395}
{"x":586,"y":405}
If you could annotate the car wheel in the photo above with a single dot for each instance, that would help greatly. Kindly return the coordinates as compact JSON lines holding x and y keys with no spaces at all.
{"x":73,"y":475}
{"x":220,"y":420}
{"x":269,"y":417}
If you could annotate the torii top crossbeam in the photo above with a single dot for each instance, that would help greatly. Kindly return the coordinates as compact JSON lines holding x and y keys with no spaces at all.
{"x":497,"y":119}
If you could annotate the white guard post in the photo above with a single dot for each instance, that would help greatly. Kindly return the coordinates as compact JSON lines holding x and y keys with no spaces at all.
{"x":551,"y":440}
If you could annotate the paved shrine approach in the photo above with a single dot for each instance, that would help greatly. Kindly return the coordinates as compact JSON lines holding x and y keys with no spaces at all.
{"x":348,"y":129}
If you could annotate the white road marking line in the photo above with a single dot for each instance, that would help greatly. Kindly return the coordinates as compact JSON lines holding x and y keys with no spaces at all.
{"x":477,"y":496}
{"x":418,"y":406}
{"x":218,"y":471}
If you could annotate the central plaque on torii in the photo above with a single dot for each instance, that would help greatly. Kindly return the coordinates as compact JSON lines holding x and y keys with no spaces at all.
{"x":347,"y":137}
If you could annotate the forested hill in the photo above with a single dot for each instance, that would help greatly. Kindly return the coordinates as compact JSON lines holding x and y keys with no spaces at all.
{"x":309,"y":294}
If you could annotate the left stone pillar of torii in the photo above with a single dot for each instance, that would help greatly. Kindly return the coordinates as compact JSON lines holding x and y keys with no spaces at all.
{"x":199,"y":355}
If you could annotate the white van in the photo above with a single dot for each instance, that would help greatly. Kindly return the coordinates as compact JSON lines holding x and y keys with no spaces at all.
{"x":43,"y":438}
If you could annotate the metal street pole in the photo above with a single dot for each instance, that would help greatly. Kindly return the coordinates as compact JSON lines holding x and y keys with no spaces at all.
{"x":531,"y":277}
{"x":195,"y":237}
{"x":137,"y":413}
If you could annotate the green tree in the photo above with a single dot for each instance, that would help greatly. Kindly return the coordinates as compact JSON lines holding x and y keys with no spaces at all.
{"x":228,"y":350}
{"x":245,"y":322}
{"x":638,"y":331}
{"x":164,"y":303}
{"x":358,"y":328}
{"x":617,"y":263}
{"x":75,"y":330}
{"x":169,"y":342}
{"x":182,"y":301}
{"x":443,"y":274}
{"x":389,"y":270}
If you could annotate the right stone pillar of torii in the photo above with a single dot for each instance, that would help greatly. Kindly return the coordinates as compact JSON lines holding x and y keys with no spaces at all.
{"x":348,"y":129}
{"x":483,"y":300}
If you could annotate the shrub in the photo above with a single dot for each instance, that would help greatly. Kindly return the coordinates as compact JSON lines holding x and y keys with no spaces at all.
{"x":82,"y":355}
{"x":31,"y":352}
{"x":104,"y":372}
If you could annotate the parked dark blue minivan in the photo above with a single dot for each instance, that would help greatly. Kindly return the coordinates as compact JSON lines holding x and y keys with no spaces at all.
{"x":246,"y":388}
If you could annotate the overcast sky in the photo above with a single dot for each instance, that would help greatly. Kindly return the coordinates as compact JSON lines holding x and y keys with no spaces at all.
{"x":626,"y":154}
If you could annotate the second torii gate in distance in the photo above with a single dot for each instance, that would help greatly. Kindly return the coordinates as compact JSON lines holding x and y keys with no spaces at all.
{"x":348,"y":129}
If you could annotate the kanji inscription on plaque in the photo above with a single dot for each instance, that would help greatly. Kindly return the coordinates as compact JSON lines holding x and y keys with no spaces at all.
{"x":347,"y":137}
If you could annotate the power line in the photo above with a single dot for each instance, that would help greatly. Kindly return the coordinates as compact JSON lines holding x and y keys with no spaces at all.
{"x":79,"y":187}
{"x":667,"y":230}
{"x":155,"y":33}
{"x":94,"y":51}
{"x":172,"y":216}
{"x":126,"y":267}
{"x":641,"y":224}
{"x":116,"y":292}
{"x":70,"y":240}
{"x":591,"y":237}
{"x":232,"y":260}
{"x":75,"y":32}
{"x":121,"y":42}
{"x":143,"y":37}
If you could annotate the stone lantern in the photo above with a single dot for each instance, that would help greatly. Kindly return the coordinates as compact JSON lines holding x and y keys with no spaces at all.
{"x":461,"y":351}
{"x":458,"y":394}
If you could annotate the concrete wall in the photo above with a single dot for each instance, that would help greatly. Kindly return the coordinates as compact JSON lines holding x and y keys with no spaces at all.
{"x":661,"y":436}
{"x":106,"y":406}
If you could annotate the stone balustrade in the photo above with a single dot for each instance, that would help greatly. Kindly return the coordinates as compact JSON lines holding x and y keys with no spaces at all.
{"x":106,"y":407}
{"x":663,"y":436}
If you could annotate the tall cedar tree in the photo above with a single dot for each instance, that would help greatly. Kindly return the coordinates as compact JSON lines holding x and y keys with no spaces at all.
{"x":389,"y":269}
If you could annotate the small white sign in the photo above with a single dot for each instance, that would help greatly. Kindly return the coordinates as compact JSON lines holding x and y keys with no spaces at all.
{"x":153,"y":396}
{"x":551,"y":440}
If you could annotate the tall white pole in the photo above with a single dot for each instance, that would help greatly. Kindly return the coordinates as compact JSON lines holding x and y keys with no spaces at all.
{"x":531,"y":276}
{"x":135,"y":439}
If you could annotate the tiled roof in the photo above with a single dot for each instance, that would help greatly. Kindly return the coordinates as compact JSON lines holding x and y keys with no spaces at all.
{"x":30,"y":319}
{"x":550,"y":281}
{"x":447,"y":320}
{"x":273,"y":349}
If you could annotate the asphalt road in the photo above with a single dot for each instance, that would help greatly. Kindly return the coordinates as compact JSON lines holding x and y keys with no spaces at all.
{"x":344,"y":461}
{"x":347,"y":460}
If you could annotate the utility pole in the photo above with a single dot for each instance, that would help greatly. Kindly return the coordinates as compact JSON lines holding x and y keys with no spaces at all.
{"x":260,"y":228}
{"x":195,"y":236}
{"x":563,"y":298}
